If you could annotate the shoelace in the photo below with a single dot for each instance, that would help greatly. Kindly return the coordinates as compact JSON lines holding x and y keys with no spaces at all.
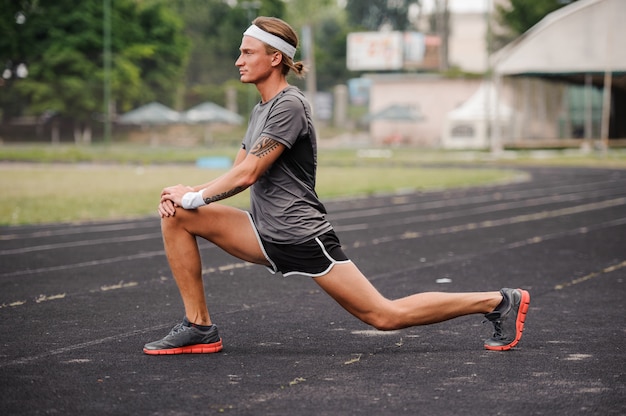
{"x":177,"y":328}
{"x":497,"y":327}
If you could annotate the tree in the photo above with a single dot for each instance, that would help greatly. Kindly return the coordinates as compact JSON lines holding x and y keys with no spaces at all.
{"x":17,"y":29}
{"x":62,"y":76}
{"x":375,"y":14}
{"x":520,"y":15}
{"x":214,"y":28}
{"x":203,"y":20}
{"x":330,"y":24}
{"x":161,"y":34}
{"x":332,"y":33}
{"x":62,"y":43}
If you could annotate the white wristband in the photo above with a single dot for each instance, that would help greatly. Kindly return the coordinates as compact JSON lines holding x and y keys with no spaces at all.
{"x":193,"y":200}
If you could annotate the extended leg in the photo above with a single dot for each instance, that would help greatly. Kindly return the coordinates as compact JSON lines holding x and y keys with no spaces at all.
{"x":348,"y":286}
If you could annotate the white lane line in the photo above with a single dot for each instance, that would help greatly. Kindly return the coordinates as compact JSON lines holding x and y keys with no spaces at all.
{"x":592,"y":275}
{"x":90,"y":263}
{"x":69,"y":348}
{"x":119,"y":285}
{"x":79,"y":229}
{"x":513,"y":245}
{"x":515,"y":199}
{"x":46,"y":298}
{"x":114,"y":338}
{"x":409,"y":235}
{"x":461,"y":212}
{"x":81,"y":243}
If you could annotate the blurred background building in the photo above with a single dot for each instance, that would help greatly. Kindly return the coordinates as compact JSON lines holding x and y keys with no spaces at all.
{"x":561,"y":84}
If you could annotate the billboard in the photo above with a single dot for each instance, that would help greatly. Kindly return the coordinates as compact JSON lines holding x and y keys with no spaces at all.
{"x":391,"y":51}
{"x":371,"y":51}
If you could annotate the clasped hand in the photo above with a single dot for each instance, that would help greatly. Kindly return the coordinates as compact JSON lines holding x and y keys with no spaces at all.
{"x":171,"y":198}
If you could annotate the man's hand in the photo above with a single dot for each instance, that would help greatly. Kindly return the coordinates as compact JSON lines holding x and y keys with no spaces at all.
{"x":171,"y":199}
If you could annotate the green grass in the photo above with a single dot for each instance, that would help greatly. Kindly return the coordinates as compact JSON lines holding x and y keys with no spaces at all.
{"x":46,"y":193}
{"x":100,"y":153}
{"x":121,"y":181}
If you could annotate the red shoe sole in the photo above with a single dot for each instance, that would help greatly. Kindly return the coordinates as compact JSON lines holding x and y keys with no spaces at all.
{"x":519,"y":323}
{"x":189,"y":349}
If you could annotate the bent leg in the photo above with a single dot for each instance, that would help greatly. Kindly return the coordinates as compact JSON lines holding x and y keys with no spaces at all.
{"x":351,"y":289}
{"x":227,"y":227}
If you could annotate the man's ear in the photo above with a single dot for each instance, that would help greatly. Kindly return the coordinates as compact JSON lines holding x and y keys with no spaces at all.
{"x":277,"y":58}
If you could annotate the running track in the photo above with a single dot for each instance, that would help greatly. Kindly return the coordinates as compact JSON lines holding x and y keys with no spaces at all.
{"x":78,"y":302}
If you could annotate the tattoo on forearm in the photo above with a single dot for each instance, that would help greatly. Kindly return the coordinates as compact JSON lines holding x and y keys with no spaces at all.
{"x":224,"y":195}
{"x":263,"y":146}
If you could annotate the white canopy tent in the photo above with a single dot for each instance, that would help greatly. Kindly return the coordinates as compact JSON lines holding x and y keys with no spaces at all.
{"x":467,"y":126}
{"x":149,"y":116}
{"x":209,"y":113}
{"x":581,"y":44}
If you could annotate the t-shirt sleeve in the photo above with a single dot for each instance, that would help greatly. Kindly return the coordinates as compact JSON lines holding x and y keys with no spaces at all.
{"x":286,"y":121}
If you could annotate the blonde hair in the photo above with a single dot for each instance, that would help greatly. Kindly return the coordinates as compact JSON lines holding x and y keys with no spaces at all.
{"x":282,"y":29}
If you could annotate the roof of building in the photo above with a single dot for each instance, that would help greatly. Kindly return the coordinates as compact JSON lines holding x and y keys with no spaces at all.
{"x":582,"y":38}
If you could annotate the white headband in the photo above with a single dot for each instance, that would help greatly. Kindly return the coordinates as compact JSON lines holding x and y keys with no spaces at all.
{"x":256,"y":32}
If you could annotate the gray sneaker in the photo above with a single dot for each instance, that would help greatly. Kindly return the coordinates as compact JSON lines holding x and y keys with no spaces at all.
{"x":508,"y":320}
{"x":185,"y":338}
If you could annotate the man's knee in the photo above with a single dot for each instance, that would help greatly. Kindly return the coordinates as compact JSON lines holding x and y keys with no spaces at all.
{"x":385,"y":323}
{"x":173,"y":223}
{"x":385,"y":319}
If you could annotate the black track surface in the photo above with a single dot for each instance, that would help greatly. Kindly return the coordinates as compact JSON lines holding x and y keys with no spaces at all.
{"x":78,"y":302}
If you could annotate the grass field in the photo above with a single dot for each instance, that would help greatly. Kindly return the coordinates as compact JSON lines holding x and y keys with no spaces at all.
{"x":71,"y":184}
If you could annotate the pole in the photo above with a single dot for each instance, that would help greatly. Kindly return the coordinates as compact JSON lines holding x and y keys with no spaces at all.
{"x":588,"y":133}
{"x":608,"y":84}
{"x":443,"y":21}
{"x":106,"y":57}
{"x":606,"y":111}
{"x":308,"y":50}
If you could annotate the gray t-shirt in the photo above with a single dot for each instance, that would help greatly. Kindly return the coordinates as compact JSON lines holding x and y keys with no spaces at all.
{"x":284,"y":205}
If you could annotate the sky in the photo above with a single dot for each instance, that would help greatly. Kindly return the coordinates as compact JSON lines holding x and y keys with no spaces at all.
{"x":461,"y":5}
{"x":454,"y":5}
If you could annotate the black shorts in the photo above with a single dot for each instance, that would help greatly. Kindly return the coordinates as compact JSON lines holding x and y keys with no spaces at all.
{"x":312,"y":258}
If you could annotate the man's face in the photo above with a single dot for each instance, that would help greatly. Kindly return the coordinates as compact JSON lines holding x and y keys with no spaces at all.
{"x":254,"y":63}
